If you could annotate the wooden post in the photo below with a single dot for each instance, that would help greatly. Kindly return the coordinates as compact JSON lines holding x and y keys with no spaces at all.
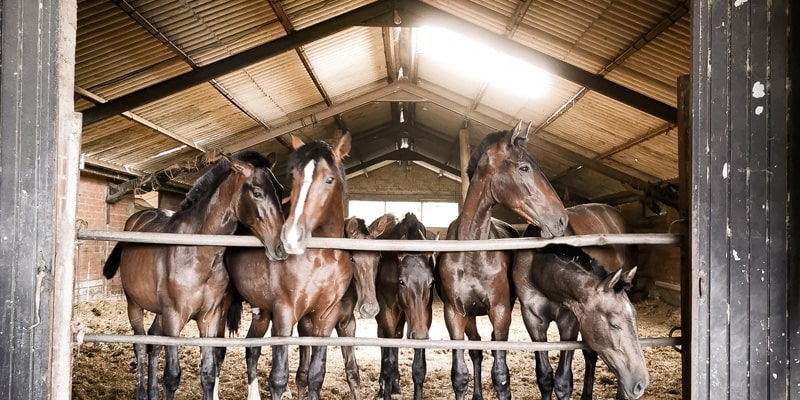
{"x":464,"y":153}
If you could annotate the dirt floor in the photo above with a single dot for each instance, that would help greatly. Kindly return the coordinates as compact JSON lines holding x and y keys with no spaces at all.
{"x":106,"y":371}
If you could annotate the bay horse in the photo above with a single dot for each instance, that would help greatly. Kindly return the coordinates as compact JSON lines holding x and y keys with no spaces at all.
{"x":470,"y":284}
{"x":360,"y":294}
{"x":405,"y":293}
{"x":585,"y":219}
{"x":563,"y":284}
{"x":310,"y":285}
{"x":179,"y":283}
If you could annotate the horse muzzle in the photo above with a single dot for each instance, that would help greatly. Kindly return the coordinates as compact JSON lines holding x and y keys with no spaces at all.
{"x":294,"y":238}
{"x":277,"y":254}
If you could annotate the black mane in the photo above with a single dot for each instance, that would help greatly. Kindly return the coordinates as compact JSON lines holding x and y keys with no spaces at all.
{"x":578,"y":256}
{"x":487,"y":141}
{"x":207,"y":183}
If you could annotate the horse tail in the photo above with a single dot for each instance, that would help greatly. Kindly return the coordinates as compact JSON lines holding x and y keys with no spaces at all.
{"x":112,"y":263}
{"x":235,"y":313}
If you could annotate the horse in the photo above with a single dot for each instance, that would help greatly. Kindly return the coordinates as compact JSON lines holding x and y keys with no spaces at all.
{"x":593,"y":218}
{"x":563,"y":284}
{"x":180,"y":283}
{"x":308,"y":287}
{"x":405,"y":293}
{"x":470,"y":284}
{"x":360,"y":294}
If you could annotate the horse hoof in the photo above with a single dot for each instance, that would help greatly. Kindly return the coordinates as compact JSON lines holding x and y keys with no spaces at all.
{"x":287,"y":395}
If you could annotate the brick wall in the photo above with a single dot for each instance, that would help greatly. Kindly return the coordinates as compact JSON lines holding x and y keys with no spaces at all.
{"x":98,"y":215}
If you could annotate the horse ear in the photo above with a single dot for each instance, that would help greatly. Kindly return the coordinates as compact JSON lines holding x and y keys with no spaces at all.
{"x":272,"y":158}
{"x":628,"y":277}
{"x":296,"y":142}
{"x":240,"y":166}
{"x":519,"y":133}
{"x":610,"y":281}
{"x":351,"y":227}
{"x":376,"y":228}
{"x":342,"y":148}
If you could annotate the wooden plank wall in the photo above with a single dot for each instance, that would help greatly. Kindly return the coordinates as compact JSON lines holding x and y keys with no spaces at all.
{"x":27,"y":165}
{"x":740,"y":236}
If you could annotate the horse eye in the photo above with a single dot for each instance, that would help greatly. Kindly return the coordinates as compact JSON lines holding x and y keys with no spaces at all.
{"x":258,"y":193}
{"x":614,"y":326}
{"x":329,"y":180}
{"x":525,"y":168}
{"x":402,"y":283}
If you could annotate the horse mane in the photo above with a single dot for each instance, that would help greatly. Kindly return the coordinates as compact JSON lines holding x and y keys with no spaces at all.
{"x":206,"y":184}
{"x":578,"y":256}
{"x":487,"y":141}
{"x":413,"y":228}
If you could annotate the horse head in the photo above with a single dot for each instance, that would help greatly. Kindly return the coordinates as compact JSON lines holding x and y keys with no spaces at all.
{"x":318,"y":185}
{"x":502,"y":166}
{"x":257,"y":205}
{"x":365,"y":268}
{"x":607,"y":322}
{"x":415,"y":280}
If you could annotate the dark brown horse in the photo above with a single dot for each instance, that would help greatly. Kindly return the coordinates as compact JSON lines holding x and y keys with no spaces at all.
{"x":180,"y":283}
{"x":563,"y":284}
{"x":405,"y":293}
{"x":310,"y":285}
{"x":585,"y":219}
{"x":476,"y":283}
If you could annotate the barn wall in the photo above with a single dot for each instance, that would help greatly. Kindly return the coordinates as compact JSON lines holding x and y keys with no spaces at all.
{"x":397,"y":183}
{"x":659,"y":266}
{"x":741,"y":332}
{"x":98,"y":215}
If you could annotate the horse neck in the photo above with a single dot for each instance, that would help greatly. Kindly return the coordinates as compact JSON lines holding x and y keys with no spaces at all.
{"x":478,"y":205}
{"x":213,"y":214}
{"x":570,"y":285}
{"x":333,"y":227}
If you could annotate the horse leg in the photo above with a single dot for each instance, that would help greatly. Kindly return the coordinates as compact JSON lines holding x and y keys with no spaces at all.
{"x":172,"y":324}
{"x":258,"y":327}
{"x":319,"y":355}
{"x":153,"y":351}
{"x":390,"y":376}
{"x":477,"y":359}
{"x":301,"y":379}
{"x":282,"y":323}
{"x":135,"y":316}
{"x":209,"y":325}
{"x":459,"y":374}
{"x":419,"y":370}
{"x":568,"y":331}
{"x":590,"y":359}
{"x":500,"y":316}
{"x":537,"y":330}
{"x":347,"y":328}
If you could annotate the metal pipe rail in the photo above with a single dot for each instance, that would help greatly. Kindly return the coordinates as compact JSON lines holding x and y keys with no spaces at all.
{"x":387,"y":245}
{"x":360,"y":341}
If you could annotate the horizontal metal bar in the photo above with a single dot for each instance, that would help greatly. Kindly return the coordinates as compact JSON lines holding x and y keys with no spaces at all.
{"x":360,"y":341}
{"x":388,"y":245}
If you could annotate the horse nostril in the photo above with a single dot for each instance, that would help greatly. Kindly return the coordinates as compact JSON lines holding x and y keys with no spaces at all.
{"x":638,"y":390}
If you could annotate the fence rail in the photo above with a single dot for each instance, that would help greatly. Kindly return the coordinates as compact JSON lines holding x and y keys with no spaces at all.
{"x":361,"y":341}
{"x":388,"y":245}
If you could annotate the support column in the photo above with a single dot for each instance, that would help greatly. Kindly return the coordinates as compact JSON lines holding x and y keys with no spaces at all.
{"x":464,"y":153}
